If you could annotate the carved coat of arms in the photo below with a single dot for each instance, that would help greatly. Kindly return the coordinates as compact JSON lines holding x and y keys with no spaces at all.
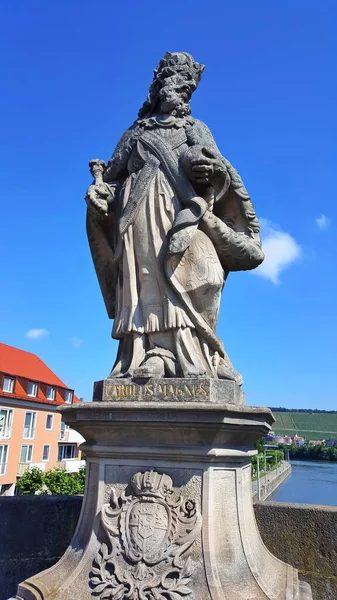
{"x":149,"y":528}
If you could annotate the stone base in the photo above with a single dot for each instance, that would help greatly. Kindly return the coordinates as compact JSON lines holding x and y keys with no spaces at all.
{"x":168,"y":512}
{"x":191,"y":389}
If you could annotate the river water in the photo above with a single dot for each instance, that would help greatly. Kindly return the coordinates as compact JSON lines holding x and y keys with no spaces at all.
{"x":310,"y":483}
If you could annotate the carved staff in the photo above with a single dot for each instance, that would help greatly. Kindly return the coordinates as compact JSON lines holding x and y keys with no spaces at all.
{"x":97,"y":167}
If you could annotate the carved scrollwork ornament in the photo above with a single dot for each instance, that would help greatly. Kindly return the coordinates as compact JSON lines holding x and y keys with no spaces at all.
{"x":149,"y":528}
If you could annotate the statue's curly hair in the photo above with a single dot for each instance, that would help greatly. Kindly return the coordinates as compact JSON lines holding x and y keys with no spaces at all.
{"x":179,"y":71}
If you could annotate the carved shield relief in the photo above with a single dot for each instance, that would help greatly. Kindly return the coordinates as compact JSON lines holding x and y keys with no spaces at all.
{"x":148,"y":529}
{"x":147,"y":525}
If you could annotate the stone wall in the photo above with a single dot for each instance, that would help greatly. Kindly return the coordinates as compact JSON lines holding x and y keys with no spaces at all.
{"x":305,"y":536}
{"x":35,"y":531}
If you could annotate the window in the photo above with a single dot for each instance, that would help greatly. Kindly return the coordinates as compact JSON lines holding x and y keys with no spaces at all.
{"x":26,"y":453}
{"x":8,"y":385}
{"x":32,"y":389}
{"x":66,"y":451}
{"x":6,"y":420}
{"x":46,"y":452}
{"x":50,"y":393}
{"x":68,"y":396}
{"x":49,"y":422}
{"x":30,"y":426}
{"x":5,"y":489}
{"x":63,"y":429}
{"x":3,"y":459}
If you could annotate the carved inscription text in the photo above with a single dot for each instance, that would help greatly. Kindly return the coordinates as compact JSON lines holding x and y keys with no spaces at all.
{"x":161,"y":389}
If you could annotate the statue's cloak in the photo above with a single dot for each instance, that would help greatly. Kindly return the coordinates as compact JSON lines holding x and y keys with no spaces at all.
{"x":224,"y":229}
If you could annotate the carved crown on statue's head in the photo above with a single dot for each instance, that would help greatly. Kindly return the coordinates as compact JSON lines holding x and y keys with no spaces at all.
{"x":181,"y":63}
{"x":151,"y":483}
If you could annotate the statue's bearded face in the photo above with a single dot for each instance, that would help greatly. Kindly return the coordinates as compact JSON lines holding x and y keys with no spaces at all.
{"x":174,"y":96}
{"x":172,"y":99}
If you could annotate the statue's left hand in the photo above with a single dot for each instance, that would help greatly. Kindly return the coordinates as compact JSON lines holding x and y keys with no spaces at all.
{"x":199,"y":164}
{"x":202,"y":170}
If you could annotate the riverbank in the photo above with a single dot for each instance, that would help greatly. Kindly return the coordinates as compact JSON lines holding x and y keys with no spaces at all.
{"x":310,"y":483}
{"x":271,"y":481}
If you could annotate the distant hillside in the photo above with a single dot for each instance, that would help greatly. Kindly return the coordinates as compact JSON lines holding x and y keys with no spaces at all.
{"x":304,"y":410}
{"x":314,"y":425}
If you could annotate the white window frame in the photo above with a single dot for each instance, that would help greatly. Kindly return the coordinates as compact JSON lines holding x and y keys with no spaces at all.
{"x":36,"y":388}
{"x":29,"y":430}
{"x":11,"y":381}
{"x":52,"y":422}
{"x":3,"y":458}
{"x":6,"y":426}
{"x":48,"y":457}
{"x":68,"y":397}
{"x":62,"y":448}
{"x":52,"y":389}
{"x":28,"y":460}
{"x":63,"y":430}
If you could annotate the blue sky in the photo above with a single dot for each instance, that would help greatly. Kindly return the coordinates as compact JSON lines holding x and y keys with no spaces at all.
{"x":74,"y":74}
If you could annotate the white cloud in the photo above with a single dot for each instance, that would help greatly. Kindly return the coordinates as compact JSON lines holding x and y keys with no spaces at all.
{"x":280,"y":250}
{"x":36,"y":334}
{"x":76,"y":342}
{"x":323,"y":221}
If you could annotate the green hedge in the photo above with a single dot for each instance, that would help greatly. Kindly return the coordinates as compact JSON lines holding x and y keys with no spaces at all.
{"x":273,"y":459}
{"x":58,"y":482}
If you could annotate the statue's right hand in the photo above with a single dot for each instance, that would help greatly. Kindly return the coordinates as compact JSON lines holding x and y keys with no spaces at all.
{"x":99,"y":196}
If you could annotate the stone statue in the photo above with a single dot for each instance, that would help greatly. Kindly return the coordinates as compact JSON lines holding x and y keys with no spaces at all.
{"x":167,"y":512}
{"x":168,"y":218}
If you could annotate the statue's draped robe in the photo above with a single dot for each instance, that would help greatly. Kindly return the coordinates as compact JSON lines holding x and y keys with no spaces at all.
{"x":167,"y":304}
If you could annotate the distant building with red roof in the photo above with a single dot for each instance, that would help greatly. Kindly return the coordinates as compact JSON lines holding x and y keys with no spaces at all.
{"x":31,"y":431}
{"x":25,"y":367}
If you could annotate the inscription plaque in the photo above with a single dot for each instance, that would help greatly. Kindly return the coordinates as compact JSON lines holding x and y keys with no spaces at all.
{"x":168,"y":390}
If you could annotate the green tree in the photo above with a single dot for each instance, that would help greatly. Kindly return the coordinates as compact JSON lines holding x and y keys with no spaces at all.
{"x":81,"y":478}
{"x":31,"y":482}
{"x":333,"y":454}
{"x":61,"y":482}
{"x":58,"y":482}
{"x":258,"y":445}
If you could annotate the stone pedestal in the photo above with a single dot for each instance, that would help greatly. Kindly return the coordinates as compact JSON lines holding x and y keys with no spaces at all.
{"x":167,"y":513}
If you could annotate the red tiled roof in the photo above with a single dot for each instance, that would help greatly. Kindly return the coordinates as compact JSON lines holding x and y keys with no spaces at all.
{"x":14,"y":361}
{"x":24,"y":364}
